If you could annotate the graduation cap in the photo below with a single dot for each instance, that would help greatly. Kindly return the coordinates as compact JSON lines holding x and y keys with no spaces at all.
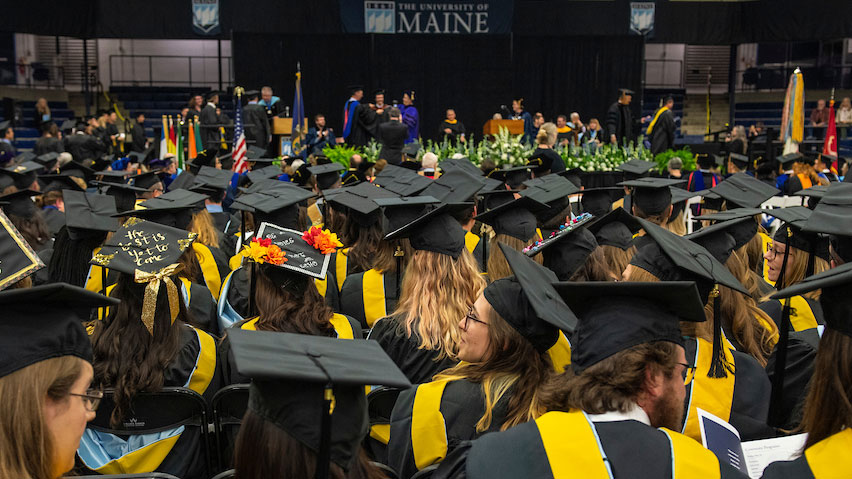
{"x":45,"y":322}
{"x":327,"y":175}
{"x":723,"y":238}
{"x":635,"y":168}
{"x":212,"y":182}
{"x":148,"y":252}
{"x":454,"y":186}
{"x":513,"y":217}
{"x":435,"y":230}
{"x":213,"y":93}
{"x":412,"y":165}
{"x":616,"y":316}
{"x":359,"y":201}
{"x":145,"y":180}
{"x":786,"y":161}
{"x":401,"y":181}
{"x":793,"y":234}
{"x":652,"y":195}
{"x":251,"y":93}
{"x":833,"y":214}
{"x":731,"y":214}
{"x":23,"y":157}
{"x":552,"y":190}
{"x":25,"y":174}
{"x":305,"y":253}
{"x":405,"y":209}
{"x":68,"y":125}
{"x":528,"y":302}
{"x":598,"y":201}
{"x":835,"y":299}
{"x":88,"y":214}
{"x":411,"y":149}
{"x":125,"y":195}
{"x":296,"y":378}
{"x":353,"y":89}
{"x":679,"y":197}
{"x":265,"y":173}
{"x":741,"y":161}
{"x":740,"y":225}
{"x":567,"y":249}
{"x":465,"y":164}
{"x":48,"y":160}
{"x":743,"y":190}
{"x":814,"y":194}
{"x":174,"y":209}
{"x":184,"y":181}
{"x":20,"y":203}
{"x":59,"y":183}
{"x":572,"y":175}
{"x":111,"y":176}
{"x":140,"y":156}
{"x":280,"y":208}
{"x":19,"y":258}
{"x":378,"y":91}
{"x":615,"y":228}
{"x":514,"y":177}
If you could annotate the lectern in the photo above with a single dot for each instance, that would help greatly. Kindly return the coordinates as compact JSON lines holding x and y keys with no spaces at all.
{"x":492,"y":127}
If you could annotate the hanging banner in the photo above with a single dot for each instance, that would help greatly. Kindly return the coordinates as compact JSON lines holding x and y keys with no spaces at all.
{"x":642,"y":18}
{"x":205,"y":17}
{"x":450,"y":17}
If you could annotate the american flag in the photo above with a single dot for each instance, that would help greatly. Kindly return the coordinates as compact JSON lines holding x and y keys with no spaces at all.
{"x":239,"y":156}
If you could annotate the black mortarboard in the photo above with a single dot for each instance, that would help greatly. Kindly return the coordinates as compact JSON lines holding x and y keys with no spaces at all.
{"x":110,"y":176}
{"x":353,"y":177}
{"x":567,"y":249}
{"x":19,"y":259}
{"x":358,"y":201}
{"x":20,"y":203}
{"x":59,"y":183}
{"x":742,"y":228}
{"x":787,"y":160}
{"x":271,"y":186}
{"x":552,"y":190}
{"x":45,"y":322}
{"x":138,"y":156}
{"x":835,"y":299}
{"x":251,"y":93}
{"x":615,"y":228}
{"x":212,"y":181}
{"x":717,"y":238}
{"x":183,"y":181}
{"x":327,"y":175}
{"x":454,"y":186}
{"x":214,"y":93}
{"x":513,"y":217}
{"x":401,"y":181}
{"x":792,"y":234}
{"x":405,"y":209}
{"x":625,"y":91}
{"x":412,"y":165}
{"x":743,"y":190}
{"x":741,"y":161}
{"x":833,"y":214}
{"x":434,"y":231}
{"x":23,"y":157}
{"x":4,"y":124}
{"x":411,"y":149}
{"x":88,"y":213}
{"x":125,"y":195}
{"x":573,"y":175}
{"x":268,"y":172}
{"x":635,"y":168}
{"x":814,"y":194}
{"x":528,"y":302}
{"x":378,"y":91}
{"x":616,"y":316}
{"x":145,"y":180}
{"x":679,"y":197}
{"x":460,"y":164}
{"x":48,"y":160}
{"x":598,"y":201}
{"x":174,"y":208}
{"x":25,"y":174}
{"x":355,"y":88}
{"x":143,"y":245}
{"x":652,"y":195}
{"x":67,"y":125}
{"x":514,"y":177}
{"x":291,"y":378}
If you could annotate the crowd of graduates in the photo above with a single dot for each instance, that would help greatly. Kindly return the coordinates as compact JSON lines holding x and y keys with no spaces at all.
{"x":508,"y":323}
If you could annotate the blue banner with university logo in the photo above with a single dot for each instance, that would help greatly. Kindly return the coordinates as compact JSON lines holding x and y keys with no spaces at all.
{"x":450,"y":17}
{"x":205,"y":17}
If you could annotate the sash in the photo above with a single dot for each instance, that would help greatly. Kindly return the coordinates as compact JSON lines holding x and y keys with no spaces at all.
{"x":209,"y":269}
{"x":373,"y":292}
{"x":656,"y":117}
{"x":714,"y":395}
{"x":428,"y":430}
{"x":560,"y":353}
{"x":830,"y":458}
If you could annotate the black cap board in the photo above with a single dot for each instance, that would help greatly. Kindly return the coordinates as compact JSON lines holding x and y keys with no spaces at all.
{"x":359,"y":201}
{"x":411,"y":149}
{"x":792,"y":234}
{"x":290,"y":376}
{"x":743,"y":190}
{"x":598,"y":201}
{"x":45,"y":322}
{"x":405,"y":209}
{"x":25,"y":174}
{"x":24,"y":157}
{"x":616,"y":316}
{"x":213,"y":178}
{"x":528,"y":302}
{"x":20,"y":203}
{"x":465,"y":164}
{"x":741,"y":161}
{"x":434,"y":231}
{"x":265,"y":173}
{"x":615,"y":228}
{"x":454,"y":186}
{"x":254,"y":152}
{"x":833,"y":214}
{"x":636,"y":168}
{"x":652,"y":195}
{"x":327,"y":175}
{"x":48,"y":160}
{"x":19,"y":258}
{"x":731,"y":214}
{"x":742,"y":230}
{"x":145,"y":180}
{"x":401,"y":181}
{"x":567,"y":249}
{"x":514,"y":177}
{"x":59,"y":183}
{"x":87,"y":213}
{"x":787,"y":160}
{"x":125,"y":195}
{"x":552,"y":190}
{"x":143,"y":245}
{"x":513,"y":217}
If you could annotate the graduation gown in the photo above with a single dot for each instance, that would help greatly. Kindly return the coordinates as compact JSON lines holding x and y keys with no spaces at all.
{"x":178,"y":451}
{"x":214,"y":266}
{"x":369,"y":296}
{"x":432,"y":419}
{"x":418,"y":365}
{"x":805,"y":313}
{"x":477,"y":247}
{"x":209,"y":127}
{"x":799,"y":368}
{"x":138,"y":139}
{"x":357,"y":120}
{"x":54,"y":218}
{"x":827,"y":458}
{"x":392,"y":135}
{"x":456,"y":130}
{"x":256,"y":125}
{"x":565,"y":445}
{"x":228,"y":224}
{"x":411,"y":119}
{"x":619,"y":122}
{"x":741,"y":398}
{"x":200,"y":305}
{"x":662,"y":131}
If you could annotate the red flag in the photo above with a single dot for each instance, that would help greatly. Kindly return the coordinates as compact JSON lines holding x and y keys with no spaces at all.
{"x":172,"y":135}
{"x":830,"y":145}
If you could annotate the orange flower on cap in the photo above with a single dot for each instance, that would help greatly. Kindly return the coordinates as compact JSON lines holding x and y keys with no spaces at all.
{"x":263,"y":251}
{"x":324,"y":241}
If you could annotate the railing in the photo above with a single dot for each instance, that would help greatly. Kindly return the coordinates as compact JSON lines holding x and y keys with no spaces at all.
{"x":152,"y":70}
{"x":776,"y":78}
{"x":662,"y":73}
{"x":41,"y":75}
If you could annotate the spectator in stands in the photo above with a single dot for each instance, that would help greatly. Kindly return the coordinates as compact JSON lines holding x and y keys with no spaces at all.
{"x":270,"y":102}
{"x":193,"y":108}
{"x":137,"y":132}
{"x":256,"y":121}
{"x":738,"y":143}
{"x":42,"y":115}
{"x":7,"y":149}
{"x":51,"y":140}
{"x":844,"y":117}
{"x":320,"y":136}
{"x":819,"y":117}
{"x":756,"y":130}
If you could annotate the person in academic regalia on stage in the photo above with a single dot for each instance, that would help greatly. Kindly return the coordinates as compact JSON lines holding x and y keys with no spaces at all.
{"x":392,"y":135}
{"x":620,"y":124}
{"x":144,"y":344}
{"x":628,"y":369}
{"x":356,"y":118}
{"x":376,"y":113}
{"x":661,"y":130}
{"x":256,"y":122}
{"x":410,"y":116}
{"x":451,"y":128}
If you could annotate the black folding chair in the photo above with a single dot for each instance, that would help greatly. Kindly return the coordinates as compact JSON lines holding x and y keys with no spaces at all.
{"x":425,"y":472}
{"x":154,"y":412}
{"x":386,"y":470}
{"x":229,"y":407}
{"x":225,"y":475}
{"x":380,"y":403}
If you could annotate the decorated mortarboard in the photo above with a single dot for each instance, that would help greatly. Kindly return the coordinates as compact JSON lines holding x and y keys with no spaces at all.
{"x":20,"y":203}
{"x":296,"y":378}
{"x":514,"y":177}
{"x":401,"y":181}
{"x":19,"y":258}
{"x":87,"y":213}
{"x":552,"y":190}
{"x":598,"y":201}
{"x":359,"y":201}
{"x":25,"y":174}
{"x":149,"y":252}
{"x":834,"y":285}
{"x":615,"y":228}
{"x":411,"y":149}
{"x":510,"y":216}
{"x":833,"y":214}
{"x":454,"y":186}
{"x":528,"y":302}
{"x":145,"y":180}
{"x":743,"y":190}
{"x":59,"y":183}
{"x":327,"y":175}
{"x":465,"y":164}
{"x":304,"y":252}
{"x":616,"y":316}
{"x":264,"y":173}
{"x":45,"y":322}
{"x":567,"y":249}
{"x":741,"y":161}
{"x":636,"y":168}
{"x":434,"y":230}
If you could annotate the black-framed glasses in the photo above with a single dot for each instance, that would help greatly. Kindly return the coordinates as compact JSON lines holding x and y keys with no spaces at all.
{"x":91,"y":398}
{"x":688,"y":373}
{"x":471,"y":316}
{"x":773,"y":252}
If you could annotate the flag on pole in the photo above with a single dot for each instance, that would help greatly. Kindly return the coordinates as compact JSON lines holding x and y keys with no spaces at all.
{"x":164,"y":143}
{"x":179,"y":145}
{"x":199,"y":147}
{"x":239,"y":151}
{"x":171,"y":136}
{"x":830,"y":145}
{"x":298,"y":130}
{"x":191,"y":151}
{"x":793,"y":119}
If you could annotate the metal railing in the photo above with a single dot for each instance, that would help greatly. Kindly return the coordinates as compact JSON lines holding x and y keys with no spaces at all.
{"x":41,"y":75}
{"x":775,"y":78}
{"x":663,"y":73}
{"x":153,"y":70}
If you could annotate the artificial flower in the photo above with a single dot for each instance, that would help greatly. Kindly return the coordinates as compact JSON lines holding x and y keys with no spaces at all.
{"x":324,"y":241}
{"x":263,"y":251}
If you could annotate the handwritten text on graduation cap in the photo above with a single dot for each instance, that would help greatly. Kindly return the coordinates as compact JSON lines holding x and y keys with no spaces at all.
{"x":301,"y":256}
{"x":144,"y":247}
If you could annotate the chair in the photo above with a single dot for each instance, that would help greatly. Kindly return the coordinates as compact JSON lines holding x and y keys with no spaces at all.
{"x":225,"y":475}
{"x":147,"y":475}
{"x":380,"y":404}
{"x":229,"y":406}
{"x":425,"y":472}
{"x":387,"y":470}
{"x":153,"y":412}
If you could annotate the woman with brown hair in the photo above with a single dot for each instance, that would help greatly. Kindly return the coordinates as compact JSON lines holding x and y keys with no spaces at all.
{"x":614,"y":234}
{"x":45,"y":378}
{"x":514,"y":225}
{"x":23,"y":213}
{"x":503,"y":349}
{"x":827,"y":416}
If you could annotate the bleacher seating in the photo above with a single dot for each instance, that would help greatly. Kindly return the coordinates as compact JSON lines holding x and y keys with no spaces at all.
{"x":26,"y":133}
{"x":770,"y":113}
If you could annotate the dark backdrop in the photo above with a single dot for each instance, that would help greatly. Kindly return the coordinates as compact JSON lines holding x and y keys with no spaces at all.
{"x":473,"y":74}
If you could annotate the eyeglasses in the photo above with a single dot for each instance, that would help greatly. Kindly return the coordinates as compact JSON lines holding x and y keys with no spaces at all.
{"x":688,"y":373}
{"x":773,"y":252}
{"x":471,"y":316}
{"x":91,"y":399}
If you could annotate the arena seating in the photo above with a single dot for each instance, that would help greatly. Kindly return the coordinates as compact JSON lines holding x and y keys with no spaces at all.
{"x":26,"y":133}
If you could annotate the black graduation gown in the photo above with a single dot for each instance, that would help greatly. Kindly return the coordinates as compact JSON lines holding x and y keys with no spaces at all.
{"x":416,"y":424}
{"x":663,"y":134}
{"x":138,"y":140}
{"x":619,"y":121}
{"x":55,"y":220}
{"x":805,"y":313}
{"x":478,"y":247}
{"x":633,"y":450}
{"x":83,"y":147}
{"x":392,"y":136}
{"x":456,"y":130}
{"x":209,"y":127}
{"x":369,"y":296}
{"x":363,"y":120}
{"x":228,"y":225}
{"x":418,"y":365}
{"x":256,"y":125}
{"x":801,"y":352}
{"x":47,"y":144}
{"x":201,"y":307}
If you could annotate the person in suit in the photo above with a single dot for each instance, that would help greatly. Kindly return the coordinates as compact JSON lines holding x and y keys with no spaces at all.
{"x":392,"y":136}
{"x":209,"y":122}
{"x":139,"y":141}
{"x":319,"y":136}
{"x":256,"y":121}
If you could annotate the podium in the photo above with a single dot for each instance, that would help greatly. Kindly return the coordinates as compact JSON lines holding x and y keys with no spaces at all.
{"x":284,"y":126}
{"x":492,"y":127}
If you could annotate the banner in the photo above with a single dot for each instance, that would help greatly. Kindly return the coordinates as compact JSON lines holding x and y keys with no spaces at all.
{"x":642,"y":18}
{"x":205,"y":17}
{"x":449,"y":17}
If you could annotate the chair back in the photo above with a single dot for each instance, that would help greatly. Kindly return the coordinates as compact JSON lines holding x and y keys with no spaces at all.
{"x":229,"y":407}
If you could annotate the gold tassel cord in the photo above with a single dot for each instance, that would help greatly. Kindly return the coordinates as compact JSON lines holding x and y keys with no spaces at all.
{"x":149,"y":301}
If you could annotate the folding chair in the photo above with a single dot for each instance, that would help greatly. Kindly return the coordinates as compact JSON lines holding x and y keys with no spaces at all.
{"x":425,"y":472}
{"x":380,"y":402}
{"x":229,"y":407}
{"x":225,"y":475}
{"x":386,"y":470}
